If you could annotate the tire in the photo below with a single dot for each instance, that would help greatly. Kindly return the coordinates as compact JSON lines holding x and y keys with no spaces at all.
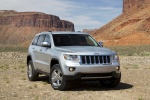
{"x":110,"y":83}
{"x":31,"y":72}
{"x":56,"y":78}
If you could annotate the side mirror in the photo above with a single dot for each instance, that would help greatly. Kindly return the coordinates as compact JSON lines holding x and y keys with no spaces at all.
{"x":101,"y":44}
{"x":45,"y":44}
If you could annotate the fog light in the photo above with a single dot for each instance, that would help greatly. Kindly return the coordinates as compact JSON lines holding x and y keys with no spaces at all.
{"x":118,"y":67}
{"x":71,"y":69}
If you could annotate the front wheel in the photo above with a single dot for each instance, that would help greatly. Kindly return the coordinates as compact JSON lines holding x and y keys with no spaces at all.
{"x":110,"y":83}
{"x":56,"y":78}
{"x":31,"y":72}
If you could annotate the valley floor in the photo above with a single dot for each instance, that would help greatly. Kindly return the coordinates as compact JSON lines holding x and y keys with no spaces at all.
{"x":14,"y":85}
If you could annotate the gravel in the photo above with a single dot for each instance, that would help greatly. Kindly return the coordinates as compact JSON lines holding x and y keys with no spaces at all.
{"x":14,"y":85}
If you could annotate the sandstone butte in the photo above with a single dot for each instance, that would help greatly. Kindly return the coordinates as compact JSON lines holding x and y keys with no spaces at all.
{"x":132,"y":27}
{"x":19,"y":28}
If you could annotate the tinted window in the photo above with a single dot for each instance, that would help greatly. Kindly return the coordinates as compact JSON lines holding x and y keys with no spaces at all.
{"x":74,"y":40}
{"x":40,"y":40}
{"x":35,"y":40}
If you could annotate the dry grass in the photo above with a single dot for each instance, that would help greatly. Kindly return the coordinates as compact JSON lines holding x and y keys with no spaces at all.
{"x":137,"y":50}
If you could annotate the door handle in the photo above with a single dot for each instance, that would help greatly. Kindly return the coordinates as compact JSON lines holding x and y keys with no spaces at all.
{"x":40,"y":49}
{"x":32,"y":48}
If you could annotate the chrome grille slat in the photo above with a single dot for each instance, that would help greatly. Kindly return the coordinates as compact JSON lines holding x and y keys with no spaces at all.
{"x":95,"y":59}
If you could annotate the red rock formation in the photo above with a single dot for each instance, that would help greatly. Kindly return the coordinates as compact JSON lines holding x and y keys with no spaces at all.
{"x":20,"y":27}
{"x":129,"y":5}
{"x":34,"y":19}
{"x":89,"y":31}
{"x":132,"y":27}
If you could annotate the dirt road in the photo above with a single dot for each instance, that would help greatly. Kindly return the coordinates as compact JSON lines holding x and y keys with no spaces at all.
{"x":14,"y":85}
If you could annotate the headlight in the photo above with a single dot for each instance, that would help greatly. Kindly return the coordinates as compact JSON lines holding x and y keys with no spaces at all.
{"x":115,"y":57}
{"x":71,"y":57}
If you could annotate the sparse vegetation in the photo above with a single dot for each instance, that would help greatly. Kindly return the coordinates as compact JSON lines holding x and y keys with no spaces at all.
{"x":14,"y":79}
{"x":21,"y":66}
{"x":140,"y":98}
{"x":13,"y":49}
{"x":22,"y":71}
{"x":37,"y":98}
{"x":139,"y":50}
{"x":30,"y":87}
{"x":6,"y":79}
{"x":35,"y":85}
{"x":4,"y":67}
{"x":24,"y":77}
{"x":125,"y":67}
{"x":45,"y":83}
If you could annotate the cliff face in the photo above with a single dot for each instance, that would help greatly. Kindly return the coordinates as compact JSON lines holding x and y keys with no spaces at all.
{"x":20,"y":27}
{"x":129,"y":5}
{"x":132,"y":27}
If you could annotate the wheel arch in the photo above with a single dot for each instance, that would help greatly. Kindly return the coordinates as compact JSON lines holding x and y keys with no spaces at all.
{"x":29,"y":58}
{"x":53,"y":62}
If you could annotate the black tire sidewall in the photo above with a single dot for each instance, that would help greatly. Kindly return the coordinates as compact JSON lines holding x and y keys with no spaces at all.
{"x":34,"y":73}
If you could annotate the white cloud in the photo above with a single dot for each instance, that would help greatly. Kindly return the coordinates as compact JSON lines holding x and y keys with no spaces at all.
{"x":56,"y":7}
{"x":84,"y":20}
{"x":106,"y":8}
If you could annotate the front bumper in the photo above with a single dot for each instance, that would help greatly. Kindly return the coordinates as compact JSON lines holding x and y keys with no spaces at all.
{"x":92,"y":76}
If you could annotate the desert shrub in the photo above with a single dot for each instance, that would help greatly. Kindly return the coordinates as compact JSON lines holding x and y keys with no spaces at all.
{"x":144,"y":53}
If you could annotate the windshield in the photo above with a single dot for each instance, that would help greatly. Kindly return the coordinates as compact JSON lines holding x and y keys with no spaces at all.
{"x":74,"y":40}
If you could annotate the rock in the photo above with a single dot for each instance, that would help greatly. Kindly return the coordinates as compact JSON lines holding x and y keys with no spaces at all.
{"x":132,"y":27}
{"x":89,"y":30}
{"x":129,"y":5}
{"x":20,"y":27}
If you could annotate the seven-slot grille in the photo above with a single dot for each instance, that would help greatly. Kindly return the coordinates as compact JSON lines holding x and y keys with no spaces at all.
{"x":95,"y":59}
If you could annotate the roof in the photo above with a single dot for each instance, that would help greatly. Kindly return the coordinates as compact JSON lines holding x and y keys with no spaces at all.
{"x":66,"y":32}
{"x":62,"y":32}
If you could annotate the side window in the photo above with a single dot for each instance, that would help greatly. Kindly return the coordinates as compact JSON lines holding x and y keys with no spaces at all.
{"x":90,"y":41}
{"x":35,"y":40}
{"x":40,"y":40}
{"x":47,"y":39}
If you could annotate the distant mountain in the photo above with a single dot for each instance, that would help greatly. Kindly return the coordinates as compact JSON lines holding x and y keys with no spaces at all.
{"x":89,"y":31}
{"x":132,"y":27}
{"x":19,"y":28}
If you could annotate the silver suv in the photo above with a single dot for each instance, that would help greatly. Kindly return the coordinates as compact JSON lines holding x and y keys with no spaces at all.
{"x":71,"y":56}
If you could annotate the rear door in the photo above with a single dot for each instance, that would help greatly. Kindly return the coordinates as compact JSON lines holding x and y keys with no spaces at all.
{"x":45,"y":55}
{"x":37,"y":52}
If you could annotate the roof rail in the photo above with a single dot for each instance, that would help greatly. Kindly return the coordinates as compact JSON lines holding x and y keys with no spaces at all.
{"x":49,"y":31}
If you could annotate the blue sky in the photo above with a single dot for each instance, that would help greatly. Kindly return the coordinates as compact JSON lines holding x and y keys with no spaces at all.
{"x":85,"y":14}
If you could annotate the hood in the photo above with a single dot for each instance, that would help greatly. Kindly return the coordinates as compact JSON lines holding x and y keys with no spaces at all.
{"x":85,"y":49}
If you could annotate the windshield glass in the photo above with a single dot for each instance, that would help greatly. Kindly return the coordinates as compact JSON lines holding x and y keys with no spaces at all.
{"x":74,"y":40}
